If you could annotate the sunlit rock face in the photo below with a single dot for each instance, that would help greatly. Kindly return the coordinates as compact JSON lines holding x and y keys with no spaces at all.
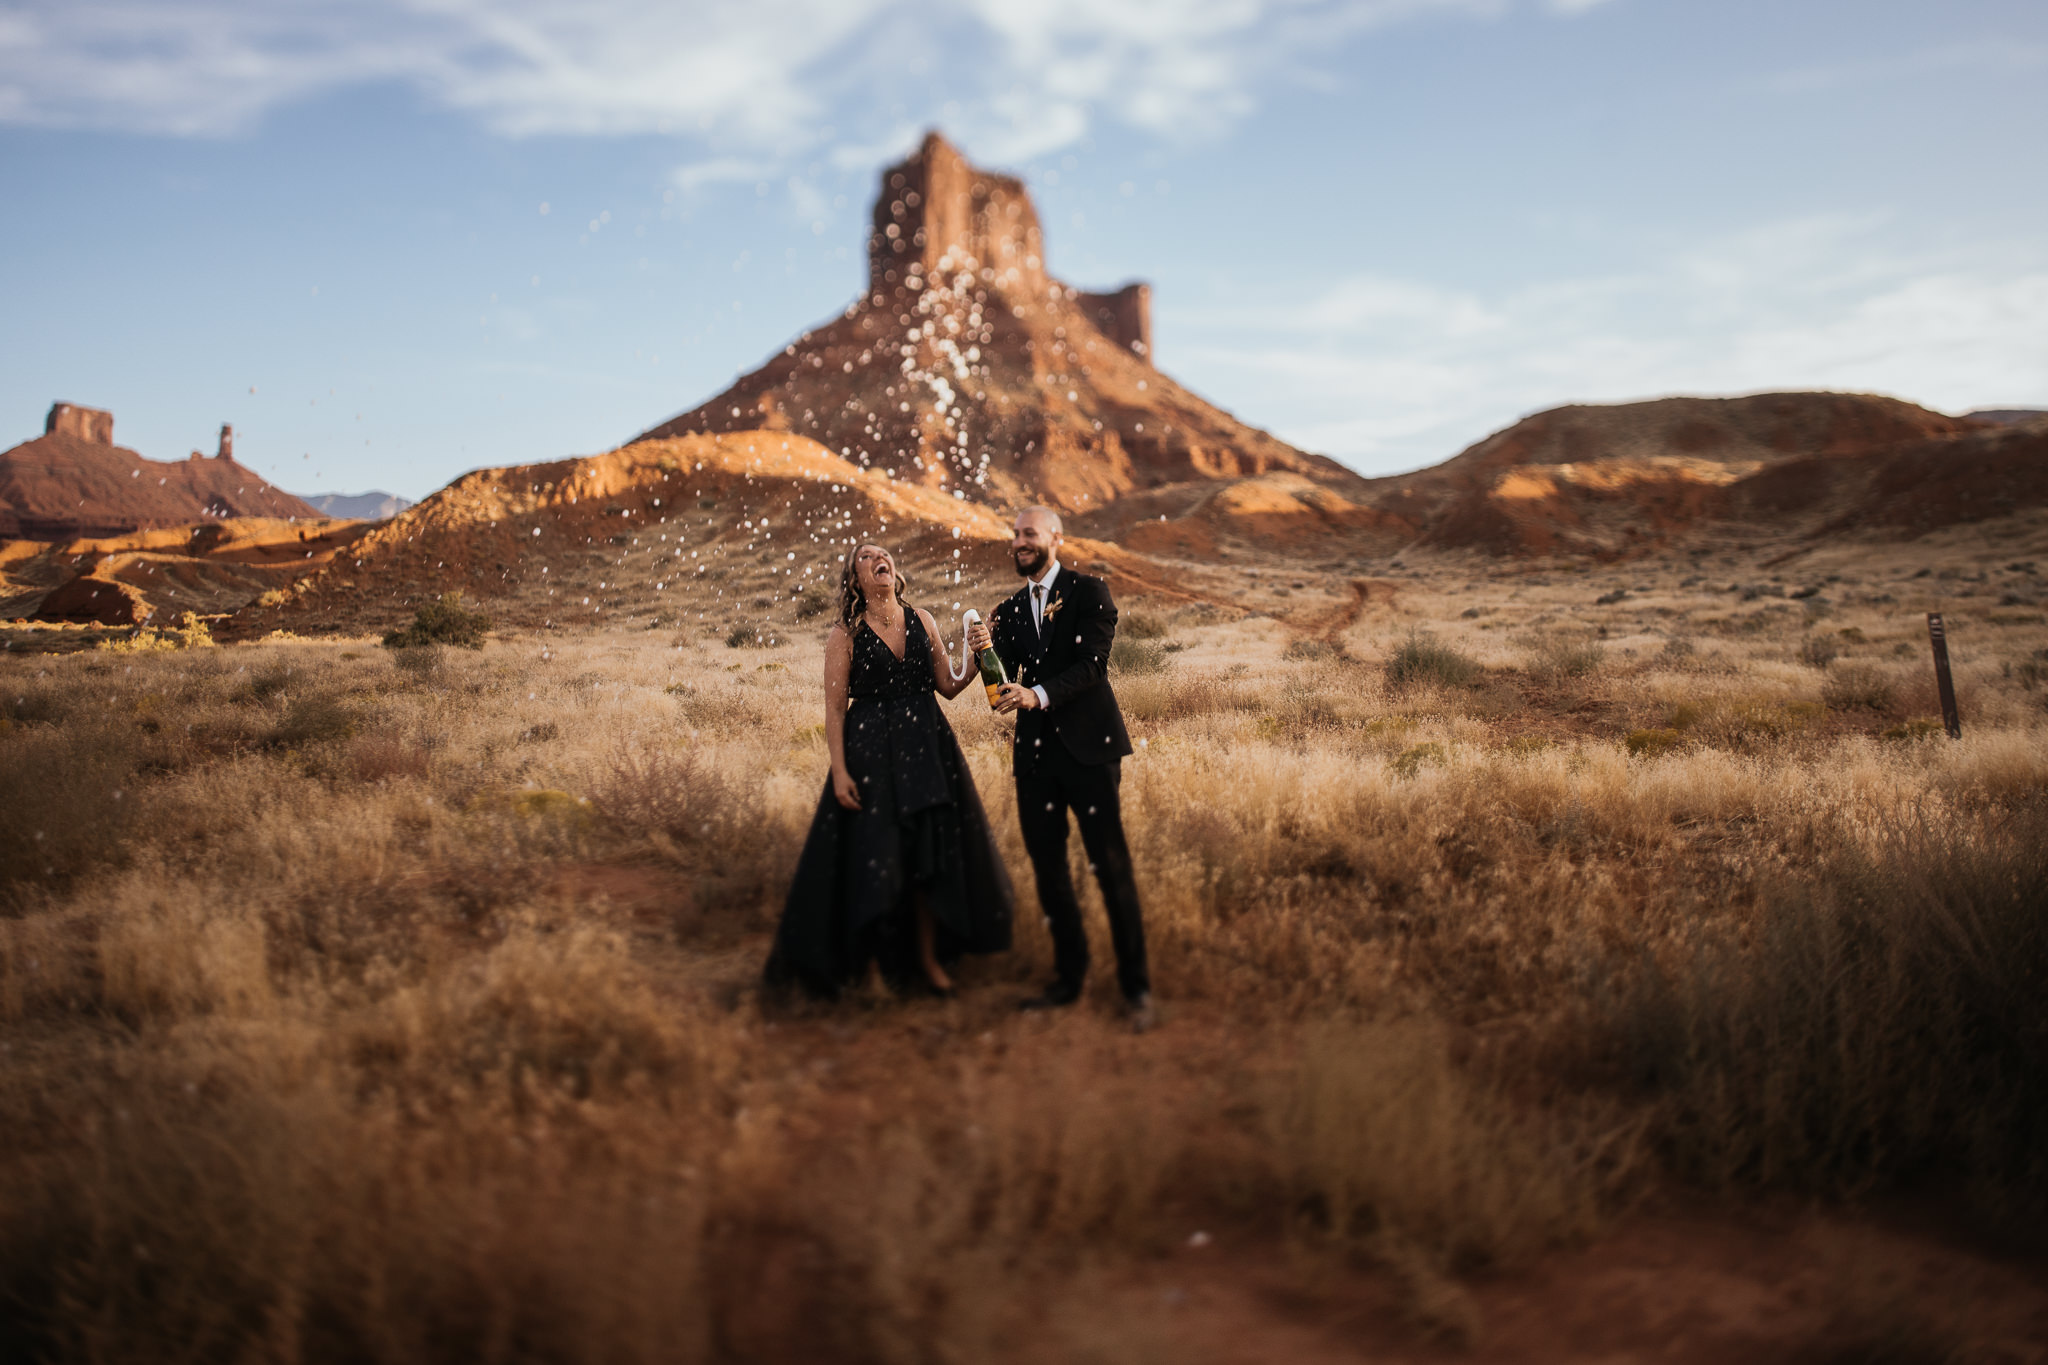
{"x":969,"y":368}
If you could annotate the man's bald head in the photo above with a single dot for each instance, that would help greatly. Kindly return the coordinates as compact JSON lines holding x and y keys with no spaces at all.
{"x":1047,"y":519}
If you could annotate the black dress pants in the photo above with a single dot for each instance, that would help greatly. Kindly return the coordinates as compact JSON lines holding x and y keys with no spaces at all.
{"x":1057,"y":784}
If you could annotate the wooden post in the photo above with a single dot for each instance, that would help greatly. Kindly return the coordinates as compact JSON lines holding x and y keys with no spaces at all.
{"x":1938,"y":637}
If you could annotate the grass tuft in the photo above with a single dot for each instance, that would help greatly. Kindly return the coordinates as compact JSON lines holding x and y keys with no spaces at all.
{"x":1424,"y":659}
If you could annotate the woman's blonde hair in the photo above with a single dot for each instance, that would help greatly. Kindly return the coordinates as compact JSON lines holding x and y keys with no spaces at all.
{"x":852,"y":600}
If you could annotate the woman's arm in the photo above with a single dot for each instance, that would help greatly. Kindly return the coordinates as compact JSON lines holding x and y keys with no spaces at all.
{"x":838,"y":666}
{"x":943,"y":681}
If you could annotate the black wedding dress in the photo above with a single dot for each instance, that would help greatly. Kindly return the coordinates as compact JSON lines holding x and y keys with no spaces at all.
{"x":920,"y":829}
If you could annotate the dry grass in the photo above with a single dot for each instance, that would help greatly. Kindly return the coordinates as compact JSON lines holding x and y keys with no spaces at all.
{"x":398,"y":1005}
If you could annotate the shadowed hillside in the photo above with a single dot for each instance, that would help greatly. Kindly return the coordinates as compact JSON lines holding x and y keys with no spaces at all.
{"x":1618,"y":480}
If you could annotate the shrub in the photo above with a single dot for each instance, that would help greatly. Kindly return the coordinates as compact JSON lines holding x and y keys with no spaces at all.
{"x":1858,"y":685}
{"x":1561,"y":656}
{"x":1919,"y":727}
{"x":312,"y":718}
{"x":189,"y":633}
{"x":66,"y":804}
{"x":1884,"y":1022}
{"x":1411,"y":761}
{"x":419,"y":662}
{"x":1140,"y":625}
{"x":1422,"y":658}
{"x":265,"y":683}
{"x":1387,"y":1143}
{"x":1312,"y":651}
{"x":1651,"y":743}
{"x":1137,"y":656}
{"x":679,"y":794}
{"x":443,"y":621}
{"x":1818,"y":651}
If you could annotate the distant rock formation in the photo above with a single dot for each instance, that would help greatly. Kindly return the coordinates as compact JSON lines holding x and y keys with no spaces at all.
{"x":2007,"y":417}
{"x":1124,"y":316}
{"x":92,"y":425}
{"x":374,"y":505}
{"x":73,"y":481}
{"x":968,"y":368}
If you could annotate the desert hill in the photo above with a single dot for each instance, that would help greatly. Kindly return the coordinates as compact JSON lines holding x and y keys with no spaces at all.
{"x":213,"y":568}
{"x":741,"y":531}
{"x":967,"y":367}
{"x":739,"y":528}
{"x":1619,"y":479}
{"x":73,"y":481}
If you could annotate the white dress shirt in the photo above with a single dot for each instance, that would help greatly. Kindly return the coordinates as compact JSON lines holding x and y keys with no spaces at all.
{"x":1038,"y":605}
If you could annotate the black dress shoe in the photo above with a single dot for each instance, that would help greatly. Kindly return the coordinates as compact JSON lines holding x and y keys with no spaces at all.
{"x":1053,"y":997}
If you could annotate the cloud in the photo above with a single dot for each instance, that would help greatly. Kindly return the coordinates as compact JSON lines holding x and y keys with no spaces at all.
{"x":720,"y":170}
{"x":745,"y":76}
{"x":1391,"y":374}
{"x":1985,"y":56}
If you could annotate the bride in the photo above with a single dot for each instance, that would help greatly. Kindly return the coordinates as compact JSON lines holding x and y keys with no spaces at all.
{"x":899,"y":868}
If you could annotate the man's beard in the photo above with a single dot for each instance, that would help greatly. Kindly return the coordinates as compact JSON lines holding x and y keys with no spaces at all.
{"x":1029,"y":561}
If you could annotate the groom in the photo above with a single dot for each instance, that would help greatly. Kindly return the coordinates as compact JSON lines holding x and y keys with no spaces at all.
{"x":1054,"y":639}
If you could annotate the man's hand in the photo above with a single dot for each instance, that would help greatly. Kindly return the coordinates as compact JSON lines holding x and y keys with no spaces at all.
{"x":978,"y":637}
{"x":1015,"y":697}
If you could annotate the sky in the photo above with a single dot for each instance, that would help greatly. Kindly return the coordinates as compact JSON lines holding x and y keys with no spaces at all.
{"x":394,"y":240}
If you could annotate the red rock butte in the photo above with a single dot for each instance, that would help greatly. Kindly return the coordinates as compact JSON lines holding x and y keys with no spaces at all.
{"x":966,"y":366}
{"x":73,"y":481}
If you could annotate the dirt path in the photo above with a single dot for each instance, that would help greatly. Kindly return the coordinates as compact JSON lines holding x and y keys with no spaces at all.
{"x":1365,"y":593}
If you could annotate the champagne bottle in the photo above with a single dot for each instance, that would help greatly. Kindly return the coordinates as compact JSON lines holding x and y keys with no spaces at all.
{"x":993,"y":675}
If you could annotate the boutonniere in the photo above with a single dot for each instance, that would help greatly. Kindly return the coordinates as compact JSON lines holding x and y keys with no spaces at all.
{"x":1052,"y":608}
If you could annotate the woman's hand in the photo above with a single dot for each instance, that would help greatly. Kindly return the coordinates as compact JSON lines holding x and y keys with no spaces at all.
{"x":845,"y":789}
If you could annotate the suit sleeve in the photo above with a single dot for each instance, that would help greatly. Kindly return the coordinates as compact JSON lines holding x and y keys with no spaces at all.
{"x":1096,"y":627}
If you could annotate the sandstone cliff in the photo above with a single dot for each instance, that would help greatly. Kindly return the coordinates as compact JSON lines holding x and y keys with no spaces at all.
{"x":968,"y":368}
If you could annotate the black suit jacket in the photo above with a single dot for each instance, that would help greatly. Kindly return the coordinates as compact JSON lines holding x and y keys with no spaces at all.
{"x":1070,"y":660}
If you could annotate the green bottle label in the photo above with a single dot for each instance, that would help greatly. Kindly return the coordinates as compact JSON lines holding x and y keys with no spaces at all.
{"x":992,"y":674}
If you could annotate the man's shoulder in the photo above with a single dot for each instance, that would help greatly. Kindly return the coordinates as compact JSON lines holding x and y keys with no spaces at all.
{"x":1078,"y":583}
